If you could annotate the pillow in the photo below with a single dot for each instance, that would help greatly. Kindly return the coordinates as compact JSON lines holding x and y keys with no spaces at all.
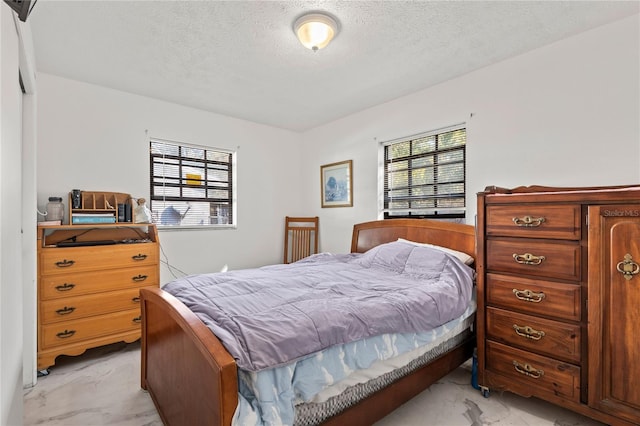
{"x":464,"y":257}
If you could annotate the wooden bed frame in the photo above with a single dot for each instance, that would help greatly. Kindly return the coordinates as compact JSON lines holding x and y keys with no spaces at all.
{"x":192,"y":378}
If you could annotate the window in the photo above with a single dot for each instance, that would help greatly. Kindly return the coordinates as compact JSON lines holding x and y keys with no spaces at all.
{"x":191,"y":186}
{"x":424,"y":175}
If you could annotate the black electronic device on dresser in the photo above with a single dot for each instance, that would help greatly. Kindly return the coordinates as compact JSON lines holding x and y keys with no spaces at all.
{"x":558,"y":295}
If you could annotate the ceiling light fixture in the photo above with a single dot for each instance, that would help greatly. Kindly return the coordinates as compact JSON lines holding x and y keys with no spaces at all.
{"x":315,"y":30}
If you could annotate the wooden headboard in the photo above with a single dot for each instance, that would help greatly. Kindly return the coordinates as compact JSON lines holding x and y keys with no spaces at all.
{"x":457,"y":236}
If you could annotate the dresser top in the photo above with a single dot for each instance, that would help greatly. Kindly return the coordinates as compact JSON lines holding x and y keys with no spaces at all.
{"x":536,"y":193}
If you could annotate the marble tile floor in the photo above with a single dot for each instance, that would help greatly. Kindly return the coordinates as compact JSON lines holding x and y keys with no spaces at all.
{"x":102,"y":387}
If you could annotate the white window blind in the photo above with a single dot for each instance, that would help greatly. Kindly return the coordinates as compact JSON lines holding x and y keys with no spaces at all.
{"x":424,"y":175}
{"x":191,"y":185}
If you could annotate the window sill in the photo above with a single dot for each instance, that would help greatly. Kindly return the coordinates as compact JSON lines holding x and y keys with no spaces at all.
{"x":162,"y":228}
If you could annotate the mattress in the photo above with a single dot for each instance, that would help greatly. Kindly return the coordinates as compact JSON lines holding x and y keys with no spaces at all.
{"x":313,"y":413}
{"x":400,"y":354}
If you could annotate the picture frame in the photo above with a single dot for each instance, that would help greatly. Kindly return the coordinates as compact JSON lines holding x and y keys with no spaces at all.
{"x":336,"y":184}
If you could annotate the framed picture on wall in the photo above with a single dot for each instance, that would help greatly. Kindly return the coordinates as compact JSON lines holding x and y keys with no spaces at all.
{"x":336,"y":184}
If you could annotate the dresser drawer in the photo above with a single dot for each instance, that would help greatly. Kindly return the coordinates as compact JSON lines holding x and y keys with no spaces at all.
{"x":534,"y":221}
{"x":537,"y":297}
{"x":69,"y":285}
{"x":67,"y":332}
{"x":543,"y":375}
{"x":71,"y":308}
{"x":560,"y":260}
{"x":552,"y":338}
{"x":75,"y":259}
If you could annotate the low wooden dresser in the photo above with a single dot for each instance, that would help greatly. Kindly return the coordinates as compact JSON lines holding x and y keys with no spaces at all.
{"x":559,"y":297}
{"x":89,"y":278}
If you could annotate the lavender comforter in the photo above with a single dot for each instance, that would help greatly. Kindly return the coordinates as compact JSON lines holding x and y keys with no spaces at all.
{"x":269,"y":316}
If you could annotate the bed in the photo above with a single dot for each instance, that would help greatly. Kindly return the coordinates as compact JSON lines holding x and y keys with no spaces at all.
{"x":193,"y":379}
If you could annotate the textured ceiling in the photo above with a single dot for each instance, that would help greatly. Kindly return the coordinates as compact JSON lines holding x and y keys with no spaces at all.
{"x":241,"y":58}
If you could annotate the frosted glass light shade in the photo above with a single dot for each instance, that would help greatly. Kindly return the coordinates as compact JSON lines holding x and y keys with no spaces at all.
{"x":315,"y":30}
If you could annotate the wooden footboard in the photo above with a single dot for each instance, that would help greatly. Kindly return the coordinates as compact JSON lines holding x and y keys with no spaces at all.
{"x":190,"y":376}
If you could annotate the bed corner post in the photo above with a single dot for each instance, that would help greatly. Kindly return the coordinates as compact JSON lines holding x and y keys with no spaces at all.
{"x":143,"y":344}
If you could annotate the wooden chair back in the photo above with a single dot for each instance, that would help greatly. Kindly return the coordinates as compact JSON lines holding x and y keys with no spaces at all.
{"x":300,"y":238}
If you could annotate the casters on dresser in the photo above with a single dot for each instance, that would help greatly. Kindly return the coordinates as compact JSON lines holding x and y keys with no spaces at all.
{"x":42,"y":373}
{"x":484,"y":391}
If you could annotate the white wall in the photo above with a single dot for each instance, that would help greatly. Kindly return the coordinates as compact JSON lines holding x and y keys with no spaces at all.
{"x":29,"y":204}
{"x":11,"y":320}
{"x":29,"y":236}
{"x":567,"y":114}
{"x":96,"y":139}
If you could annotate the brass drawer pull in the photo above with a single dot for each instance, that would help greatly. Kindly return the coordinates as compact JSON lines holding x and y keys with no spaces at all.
{"x":528,"y":332}
{"x":528,"y":295}
{"x":139,"y":278}
{"x":65,"y":263}
{"x":65,"y":310}
{"x":527,"y":370}
{"x":528,"y":259}
{"x":528,"y":221}
{"x":139,"y":256}
{"x":627,"y":267}
{"x":66,"y":334}
{"x":137,"y":320}
{"x":65,"y":287}
{"x":135,"y":299}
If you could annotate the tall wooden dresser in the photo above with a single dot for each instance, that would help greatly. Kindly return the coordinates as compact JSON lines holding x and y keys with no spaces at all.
{"x":559,"y":297}
{"x":88,"y":291}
